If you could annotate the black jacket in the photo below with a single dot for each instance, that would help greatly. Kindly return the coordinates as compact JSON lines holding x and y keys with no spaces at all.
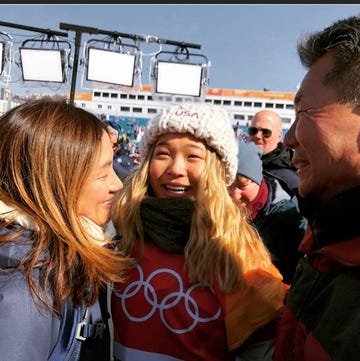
{"x":282,"y":228}
{"x":278,"y":164}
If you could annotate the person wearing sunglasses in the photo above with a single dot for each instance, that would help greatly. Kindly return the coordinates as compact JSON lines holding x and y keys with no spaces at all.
{"x":266,"y":132}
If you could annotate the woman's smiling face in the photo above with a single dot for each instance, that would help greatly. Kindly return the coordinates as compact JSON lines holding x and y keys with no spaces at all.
{"x":176,"y":166}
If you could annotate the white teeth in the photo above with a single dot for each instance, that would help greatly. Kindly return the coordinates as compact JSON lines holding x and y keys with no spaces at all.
{"x":176,"y":189}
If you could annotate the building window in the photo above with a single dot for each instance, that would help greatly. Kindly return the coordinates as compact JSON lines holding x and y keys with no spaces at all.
{"x":239,"y":117}
{"x":137,"y":110}
{"x":257,"y":104}
{"x":286,"y":120}
{"x":125,"y":109}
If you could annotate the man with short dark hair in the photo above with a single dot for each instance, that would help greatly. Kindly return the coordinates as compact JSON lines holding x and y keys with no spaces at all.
{"x":321,"y":320}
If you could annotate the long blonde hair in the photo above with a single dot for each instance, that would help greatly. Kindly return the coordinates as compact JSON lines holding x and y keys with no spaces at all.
{"x":222,"y":244}
{"x":47,"y":150}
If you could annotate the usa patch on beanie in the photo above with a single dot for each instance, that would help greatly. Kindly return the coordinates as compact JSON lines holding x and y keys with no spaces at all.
{"x":204,"y":121}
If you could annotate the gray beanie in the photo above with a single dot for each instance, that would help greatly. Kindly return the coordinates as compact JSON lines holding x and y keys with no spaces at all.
{"x":249,"y":161}
{"x":204,"y":121}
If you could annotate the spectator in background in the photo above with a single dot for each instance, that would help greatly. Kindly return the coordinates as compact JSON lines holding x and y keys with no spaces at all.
{"x":322,"y":317}
{"x":204,"y":283}
{"x":266,"y":132}
{"x":56,"y":189}
{"x":122,"y":162}
{"x":270,"y":209}
{"x":114,"y":136}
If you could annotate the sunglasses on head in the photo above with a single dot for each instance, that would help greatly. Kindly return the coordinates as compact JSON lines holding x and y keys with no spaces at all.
{"x":265,"y":132}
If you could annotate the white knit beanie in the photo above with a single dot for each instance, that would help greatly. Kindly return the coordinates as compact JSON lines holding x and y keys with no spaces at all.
{"x":202,"y":120}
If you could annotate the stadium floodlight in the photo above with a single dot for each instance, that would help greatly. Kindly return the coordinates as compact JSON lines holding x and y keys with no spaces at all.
{"x":111,"y":62}
{"x":2,"y":55}
{"x":45,"y":64}
{"x":112,"y":67}
{"x":42,"y":65}
{"x":6,"y":44}
{"x":183,"y":74}
{"x":178,"y":78}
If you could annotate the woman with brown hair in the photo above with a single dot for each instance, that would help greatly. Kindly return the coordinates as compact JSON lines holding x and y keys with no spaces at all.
{"x":57,"y":185}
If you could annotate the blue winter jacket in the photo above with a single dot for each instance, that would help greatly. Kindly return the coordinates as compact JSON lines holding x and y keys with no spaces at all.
{"x":32,"y":334}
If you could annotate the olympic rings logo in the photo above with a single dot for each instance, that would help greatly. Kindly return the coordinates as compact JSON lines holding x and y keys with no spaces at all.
{"x":168,"y":302}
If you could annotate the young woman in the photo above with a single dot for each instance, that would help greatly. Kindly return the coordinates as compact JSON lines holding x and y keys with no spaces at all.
{"x":56,"y":189}
{"x":203,"y":282}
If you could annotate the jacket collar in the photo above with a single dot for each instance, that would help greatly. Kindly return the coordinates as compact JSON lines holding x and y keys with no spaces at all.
{"x":335,"y":219}
{"x":9,"y":213}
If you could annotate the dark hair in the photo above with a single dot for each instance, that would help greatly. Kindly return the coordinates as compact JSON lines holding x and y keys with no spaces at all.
{"x":342,"y":38}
